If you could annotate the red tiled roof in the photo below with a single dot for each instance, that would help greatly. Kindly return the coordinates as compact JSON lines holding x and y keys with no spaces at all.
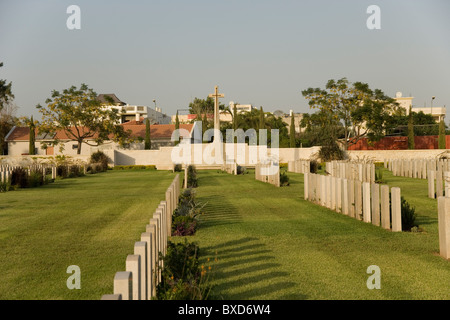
{"x":157,"y":131}
{"x":19,"y":134}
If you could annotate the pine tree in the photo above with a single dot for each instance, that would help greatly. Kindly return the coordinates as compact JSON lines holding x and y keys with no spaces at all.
{"x":148,"y":142}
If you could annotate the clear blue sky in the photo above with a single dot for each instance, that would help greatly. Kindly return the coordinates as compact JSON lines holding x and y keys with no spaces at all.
{"x":259,"y":52}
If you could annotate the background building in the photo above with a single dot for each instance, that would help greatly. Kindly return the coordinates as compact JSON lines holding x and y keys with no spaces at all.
{"x":134,"y":113}
{"x":438,"y":113}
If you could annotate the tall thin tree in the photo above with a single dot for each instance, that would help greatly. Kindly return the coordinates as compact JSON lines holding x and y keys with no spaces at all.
{"x":262,"y":124}
{"x":148,"y":141}
{"x":235,"y":118}
{"x":441,"y":139}
{"x":32,"y":147}
{"x":411,"y":144}
{"x":204,"y":124}
{"x":177,"y":127}
{"x":292,"y":132}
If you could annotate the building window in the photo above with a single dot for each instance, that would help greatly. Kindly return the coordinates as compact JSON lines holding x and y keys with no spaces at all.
{"x":74,"y":146}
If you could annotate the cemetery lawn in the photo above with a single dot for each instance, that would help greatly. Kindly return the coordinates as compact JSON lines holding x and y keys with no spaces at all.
{"x":269,"y":242}
{"x":264,"y":242}
{"x":92,"y":222}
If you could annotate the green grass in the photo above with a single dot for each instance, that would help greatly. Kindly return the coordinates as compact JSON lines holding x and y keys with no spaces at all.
{"x":91,"y":221}
{"x":271,"y":244}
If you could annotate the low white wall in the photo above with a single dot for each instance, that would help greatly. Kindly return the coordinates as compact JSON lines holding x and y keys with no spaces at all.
{"x":382,"y":155}
{"x":202,"y":155}
{"x":26,"y":161}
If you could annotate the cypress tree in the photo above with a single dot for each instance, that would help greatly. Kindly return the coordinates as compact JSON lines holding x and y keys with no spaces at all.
{"x":177,"y":127}
{"x":148,"y":142}
{"x":235,"y":118}
{"x":411,"y":144}
{"x":32,"y":147}
{"x":441,"y":141}
{"x":292,"y":132}
{"x":262,"y":124}
{"x":204,"y":124}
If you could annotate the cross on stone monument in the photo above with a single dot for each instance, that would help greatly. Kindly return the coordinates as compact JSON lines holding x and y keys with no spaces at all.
{"x":216,"y":95}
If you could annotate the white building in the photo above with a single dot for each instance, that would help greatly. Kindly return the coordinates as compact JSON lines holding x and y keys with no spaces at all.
{"x":133,"y":112}
{"x":438,"y":113}
{"x":241,"y":107}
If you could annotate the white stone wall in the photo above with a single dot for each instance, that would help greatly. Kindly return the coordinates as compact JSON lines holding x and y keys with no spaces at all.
{"x":382,"y":155}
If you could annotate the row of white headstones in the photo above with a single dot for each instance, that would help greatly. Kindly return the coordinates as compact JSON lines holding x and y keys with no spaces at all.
{"x":143,"y":268}
{"x":363,"y":199}
{"x":6,"y":171}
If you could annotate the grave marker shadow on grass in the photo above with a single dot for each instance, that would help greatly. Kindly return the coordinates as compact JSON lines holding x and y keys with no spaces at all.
{"x":247,"y":269}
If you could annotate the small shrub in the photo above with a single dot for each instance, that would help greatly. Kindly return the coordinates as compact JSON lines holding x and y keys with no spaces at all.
{"x":62,"y":171}
{"x":185,"y":217}
{"x":95,"y":168}
{"x":5,"y":186}
{"x":192,"y":181}
{"x":75,"y":171}
{"x":100,"y":158}
{"x":177,"y":168}
{"x":188,"y":206}
{"x":408,"y":216}
{"x":35,"y":179}
{"x":331,"y":151}
{"x":284,"y":179}
{"x":241,"y":170}
{"x":184,"y":226}
{"x":313,"y":166}
{"x":182,"y":277}
{"x":19,"y":177}
{"x":379,"y":175}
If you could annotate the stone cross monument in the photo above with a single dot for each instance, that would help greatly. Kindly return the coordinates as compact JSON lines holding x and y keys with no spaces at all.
{"x":216,"y":95}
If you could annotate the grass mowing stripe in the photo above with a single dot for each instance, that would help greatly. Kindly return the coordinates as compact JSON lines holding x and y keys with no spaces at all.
{"x":312,"y":252}
{"x":91,"y":221}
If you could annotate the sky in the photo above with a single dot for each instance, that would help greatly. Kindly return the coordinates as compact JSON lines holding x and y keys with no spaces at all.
{"x":258,"y":52}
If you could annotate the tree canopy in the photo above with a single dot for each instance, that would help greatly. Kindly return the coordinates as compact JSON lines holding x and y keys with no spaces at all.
{"x":363,"y":112}
{"x":252,"y":120}
{"x":82,"y":117}
{"x":7,"y":111}
{"x":6,"y":95}
{"x":200,"y":106}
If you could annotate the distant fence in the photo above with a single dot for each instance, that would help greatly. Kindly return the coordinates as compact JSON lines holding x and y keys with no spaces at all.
{"x":299,"y":166}
{"x":6,"y":171}
{"x":230,"y":168}
{"x":369,"y":202}
{"x":143,"y":268}
{"x":438,"y":184}
{"x":444,"y":226}
{"x":269,"y":173}
{"x":352,"y":170}
{"x":416,"y":168}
